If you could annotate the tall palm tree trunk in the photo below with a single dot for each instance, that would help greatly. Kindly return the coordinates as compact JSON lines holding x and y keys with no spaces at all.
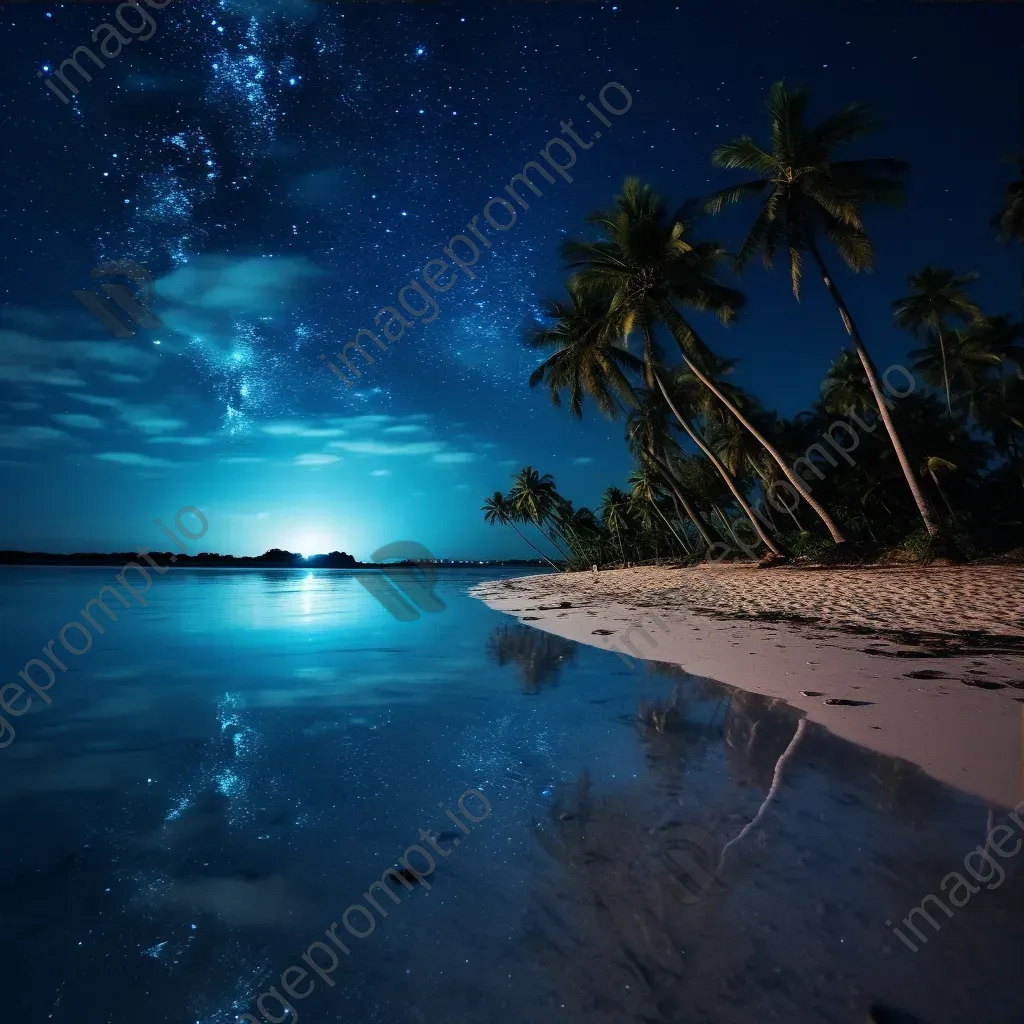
{"x":722,"y":471}
{"x":676,"y":325}
{"x":534,"y":546}
{"x":765,"y":485}
{"x":942,"y":493}
{"x":667,"y":523}
{"x":540,"y":530}
{"x":552,"y":537}
{"x":923,"y":506}
{"x":687,"y":507}
{"x":945,"y":371}
{"x":682,"y":524}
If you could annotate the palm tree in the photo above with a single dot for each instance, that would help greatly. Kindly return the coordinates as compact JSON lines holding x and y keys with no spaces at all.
{"x":808,"y":194}
{"x":645,"y":267}
{"x":586,"y":361}
{"x":966,"y":360}
{"x":934,"y":466}
{"x":937,"y":295}
{"x":497,"y":510}
{"x":845,"y":388}
{"x":684,"y":394}
{"x":644,"y":487}
{"x":648,"y":438}
{"x":614,"y":514}
{"x":534,"y":499}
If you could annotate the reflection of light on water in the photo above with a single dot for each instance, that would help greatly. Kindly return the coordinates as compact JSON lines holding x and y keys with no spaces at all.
{"x":225,"y":773}
{"x":308,"y":588}
{"x":229,"y":784}
{"x":178,"y":809}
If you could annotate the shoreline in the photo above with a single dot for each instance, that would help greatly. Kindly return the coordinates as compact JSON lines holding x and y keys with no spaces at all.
{"x":933,"y":656}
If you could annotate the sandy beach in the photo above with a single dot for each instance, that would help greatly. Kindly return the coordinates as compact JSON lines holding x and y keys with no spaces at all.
{"x":931,"y":657}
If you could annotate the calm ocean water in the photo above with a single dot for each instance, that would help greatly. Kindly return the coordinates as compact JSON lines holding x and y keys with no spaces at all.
{"x":229,"y":769}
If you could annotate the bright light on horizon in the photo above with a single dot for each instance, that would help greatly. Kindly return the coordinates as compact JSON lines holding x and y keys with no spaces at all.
{"x":308,"y":544}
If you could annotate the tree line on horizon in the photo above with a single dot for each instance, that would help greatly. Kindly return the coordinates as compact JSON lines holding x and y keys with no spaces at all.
{"x":943,"y":476}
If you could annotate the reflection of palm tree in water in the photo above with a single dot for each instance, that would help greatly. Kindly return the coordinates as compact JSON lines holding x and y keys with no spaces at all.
{"x":761,"y":735}
{"x":539,"y":656}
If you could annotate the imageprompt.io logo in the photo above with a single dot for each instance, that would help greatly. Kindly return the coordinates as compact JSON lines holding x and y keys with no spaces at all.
{"x":689,"y":858}
{"x":412,"y":578}
{"x":135,"y":304}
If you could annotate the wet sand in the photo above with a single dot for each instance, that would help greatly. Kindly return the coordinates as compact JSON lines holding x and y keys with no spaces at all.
{"x":934,"y":657}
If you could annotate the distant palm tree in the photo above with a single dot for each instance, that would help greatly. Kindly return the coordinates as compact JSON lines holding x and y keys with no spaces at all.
{"x":614,"y":513}
{"x":933,"y":466}
{"x":534,"y":499}
{"x":684,"y":393}
{"x":644,"y":488}
{"x":845,"y":388}
{"x":590,"y":360}
{"x":648,"y":438}
{"x":937,"y":296}
{"x":966,"y":361}
{"x":809,"y":194}
{"x":1003,"y":338}
{"x":647,"y":269}
{"x":497,"y":510}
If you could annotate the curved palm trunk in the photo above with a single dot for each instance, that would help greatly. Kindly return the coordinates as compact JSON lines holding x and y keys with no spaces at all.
{"x":923,"y":506}
{"x":765,"y":485}
{"x":945,"y":372}
{"x":667,"y":523}
{"x":776,"y":782}
{"x":540,"y":530}
{"x":674,"y":322}
{"x":681,"y":498}
{"x":551,"y":537}
{"x":572,"y":539}
{"x":682,"y":524}
{"x":534,"y":546}
{"x":942,"y":493}
{"x":722,"y":471}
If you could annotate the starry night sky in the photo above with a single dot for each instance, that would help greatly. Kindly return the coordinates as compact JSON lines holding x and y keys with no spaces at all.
{"x":282,"y":168}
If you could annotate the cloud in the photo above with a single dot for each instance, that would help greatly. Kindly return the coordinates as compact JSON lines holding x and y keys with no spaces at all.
{"x":133,"y":459}
{"x":296,"y":428}
{"x":148,"y":422}
{"x":121,"y":378}
{"x":462,"y":487}
{"x":363,"y":422}
{"x":52,"y":378}
{"x":382,"y":448}
{"x":381,"y":472}
{"x":78,"y":420}
{"x":38,"y":353}
{"x":191,"y":442}
{"x":583,"y":460}
{"x":29,"y":437}
{"x":453,"y":458}
{"x":204,"y":297}
{"x":242,"y":460}
{"x":315,"y":459}
{"x":405,"y":428}
{"x":148,"y":419}
{"x":110,"y":403}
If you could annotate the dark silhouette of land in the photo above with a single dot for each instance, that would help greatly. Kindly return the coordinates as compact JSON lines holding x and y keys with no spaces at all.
{"x":275,"y":558}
